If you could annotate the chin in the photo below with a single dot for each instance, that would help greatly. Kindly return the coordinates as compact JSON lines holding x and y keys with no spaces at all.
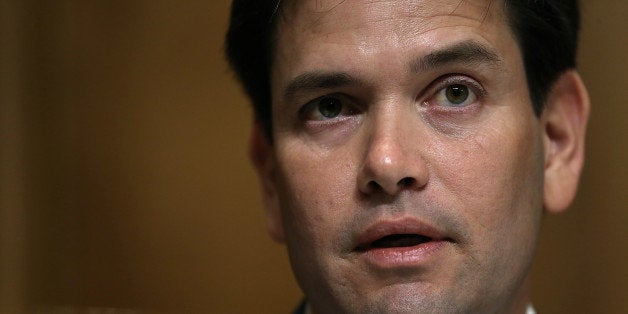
{"x":408,"y":298}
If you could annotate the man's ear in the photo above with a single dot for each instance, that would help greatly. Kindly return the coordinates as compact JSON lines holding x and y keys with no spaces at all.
{"x":564,"y":122}
{"x":261,"y":154}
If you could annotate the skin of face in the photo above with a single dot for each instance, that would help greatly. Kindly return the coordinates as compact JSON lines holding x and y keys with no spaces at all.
{"x":366,"y":140}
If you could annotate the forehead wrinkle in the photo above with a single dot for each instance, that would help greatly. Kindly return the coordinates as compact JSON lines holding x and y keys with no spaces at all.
{"x":370,"y":40}
{"x":316,"y":11}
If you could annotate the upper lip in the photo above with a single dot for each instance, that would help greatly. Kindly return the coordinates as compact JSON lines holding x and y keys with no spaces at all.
{"x":408,"y":225}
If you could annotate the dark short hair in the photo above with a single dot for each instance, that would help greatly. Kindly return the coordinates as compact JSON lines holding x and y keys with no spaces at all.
{"x":546,"y":31}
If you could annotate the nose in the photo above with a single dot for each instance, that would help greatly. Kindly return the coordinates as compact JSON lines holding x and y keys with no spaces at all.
{"x":393,"y":161}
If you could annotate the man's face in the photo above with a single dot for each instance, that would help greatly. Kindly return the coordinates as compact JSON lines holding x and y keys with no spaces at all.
{"x":406,"y":172}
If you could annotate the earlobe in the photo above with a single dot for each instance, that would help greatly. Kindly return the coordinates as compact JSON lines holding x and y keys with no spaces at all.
{"x":261,"y":154}
{"x":564,"y":121}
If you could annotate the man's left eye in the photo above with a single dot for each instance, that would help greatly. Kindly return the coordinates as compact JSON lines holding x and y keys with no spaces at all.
{"x":455,"y":95}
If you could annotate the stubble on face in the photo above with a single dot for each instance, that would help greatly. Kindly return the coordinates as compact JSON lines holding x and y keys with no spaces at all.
{"x":484,"y":167}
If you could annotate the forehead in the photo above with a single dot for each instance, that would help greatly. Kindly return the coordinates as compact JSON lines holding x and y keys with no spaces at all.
{"x":359,"y":21}
{"x":361,"y":17}
{"x":337,"y":33}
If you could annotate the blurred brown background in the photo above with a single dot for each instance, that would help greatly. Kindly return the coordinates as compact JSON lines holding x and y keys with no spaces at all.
{"x":124,"y":181}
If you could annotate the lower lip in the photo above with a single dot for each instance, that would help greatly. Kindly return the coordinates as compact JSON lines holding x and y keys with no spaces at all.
{"x":411,"y":256}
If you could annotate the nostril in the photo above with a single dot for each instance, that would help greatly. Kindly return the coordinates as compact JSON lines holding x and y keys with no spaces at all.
{"x":406,"y":182}
{"x":374,"y":187}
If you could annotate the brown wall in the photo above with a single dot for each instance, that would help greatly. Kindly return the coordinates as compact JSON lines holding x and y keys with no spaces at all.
{"x":124,"y":181}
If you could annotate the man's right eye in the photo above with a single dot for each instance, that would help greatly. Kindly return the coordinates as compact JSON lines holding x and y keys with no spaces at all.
{"x":330,"y":107}
{"x":327,"y":108}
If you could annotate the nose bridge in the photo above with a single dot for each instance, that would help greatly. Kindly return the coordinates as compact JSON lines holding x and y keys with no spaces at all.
{"x":386,"y":144}
{"x":392,"y":161}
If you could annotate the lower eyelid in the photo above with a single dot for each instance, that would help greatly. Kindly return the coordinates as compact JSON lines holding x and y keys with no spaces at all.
{"x":342,"y":123}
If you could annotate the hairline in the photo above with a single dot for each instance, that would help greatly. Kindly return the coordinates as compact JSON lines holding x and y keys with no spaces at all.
{"x":274,"y":31}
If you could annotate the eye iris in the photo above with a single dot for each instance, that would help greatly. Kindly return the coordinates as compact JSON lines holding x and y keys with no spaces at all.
{"x":330,"y":107}
{"x":457,"y":94}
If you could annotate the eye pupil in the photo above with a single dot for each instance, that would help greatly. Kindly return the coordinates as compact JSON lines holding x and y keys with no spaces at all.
{"x":457,"y":94}
{"x":330,"y":107}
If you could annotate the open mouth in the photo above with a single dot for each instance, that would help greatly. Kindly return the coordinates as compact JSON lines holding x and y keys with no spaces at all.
{"x":396,"y":241}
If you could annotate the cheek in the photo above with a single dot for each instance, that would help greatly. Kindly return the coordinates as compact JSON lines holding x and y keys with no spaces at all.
{"x":494,"y":175}
{"x":493,"y":182}
{"x":315,"y":191}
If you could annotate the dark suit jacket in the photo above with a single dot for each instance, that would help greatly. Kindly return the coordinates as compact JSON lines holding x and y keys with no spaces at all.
{"x":301,"y":308}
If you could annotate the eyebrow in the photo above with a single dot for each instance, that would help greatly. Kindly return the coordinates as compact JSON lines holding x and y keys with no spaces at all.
{"x":464,"y":52}
{"x":318,"y":80}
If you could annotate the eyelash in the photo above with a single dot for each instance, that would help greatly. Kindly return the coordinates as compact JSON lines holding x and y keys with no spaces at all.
{"x":449,"y":80}
{"x":433,"y":90}
{"x":350,"y":108}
